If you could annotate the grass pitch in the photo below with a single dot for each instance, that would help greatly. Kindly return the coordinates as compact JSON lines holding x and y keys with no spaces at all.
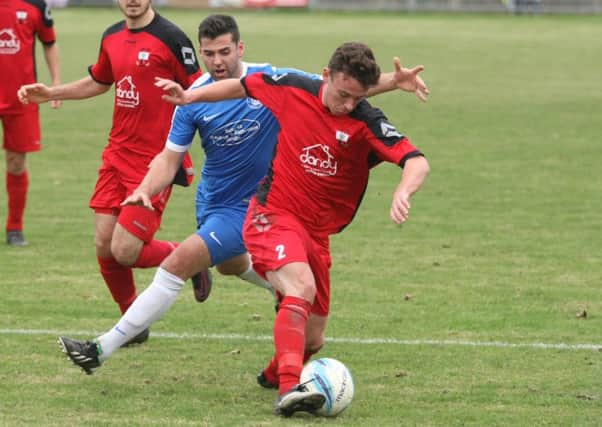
{"x":466,"y":315}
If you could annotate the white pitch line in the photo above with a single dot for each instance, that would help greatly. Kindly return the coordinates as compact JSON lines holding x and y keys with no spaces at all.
{"x":389,"y":341}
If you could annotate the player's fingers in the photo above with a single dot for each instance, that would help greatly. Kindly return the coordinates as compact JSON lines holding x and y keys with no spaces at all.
{"x":396,"y":64}
{"x":417,"y":69}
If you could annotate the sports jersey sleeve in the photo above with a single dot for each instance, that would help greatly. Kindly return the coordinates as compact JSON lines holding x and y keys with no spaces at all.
{"x":186,"y":66}
{"x":388,"y":144}
{"x":44,"y":25}
{"x":262,"y":87}
{"x":101,"y":72}
{"x":182,"y":131}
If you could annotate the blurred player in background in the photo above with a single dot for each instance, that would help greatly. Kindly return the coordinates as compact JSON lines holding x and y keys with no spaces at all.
{"x":132,"y":53}
{"x":238,"y":137}
{"x":21,"y":21}
{"x":330,"y":137}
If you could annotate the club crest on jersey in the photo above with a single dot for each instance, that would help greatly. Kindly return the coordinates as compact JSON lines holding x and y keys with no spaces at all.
{"x":143,"y":58}
{"x":9,"y":43}
{"x":317,"y":160}
{"x":253,"y":103}
{"x":342,"y":137}
{"x":261,"y":222}
{"x":126,"y":93}
{"x":21,"y":16}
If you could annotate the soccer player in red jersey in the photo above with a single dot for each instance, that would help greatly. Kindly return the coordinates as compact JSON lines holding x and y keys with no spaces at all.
{"x":132,"y":53}
{"x":21,"y":21}
{"x":330,"y":138}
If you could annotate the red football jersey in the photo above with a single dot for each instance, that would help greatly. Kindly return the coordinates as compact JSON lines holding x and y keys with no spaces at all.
{"x":131,"y":59}
{"x":20,"y":22}
{"x":322,"y":162}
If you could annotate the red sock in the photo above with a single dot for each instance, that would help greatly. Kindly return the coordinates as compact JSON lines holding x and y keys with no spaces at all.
{"x":271,"y":372}
{"x":289,"y":340}
{"x":16,"y":187}
{"x":154,"y":252}
{"x":119,"y":280}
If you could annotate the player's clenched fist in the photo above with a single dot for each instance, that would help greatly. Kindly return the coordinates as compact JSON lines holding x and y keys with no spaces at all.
{"x":35,"y":93}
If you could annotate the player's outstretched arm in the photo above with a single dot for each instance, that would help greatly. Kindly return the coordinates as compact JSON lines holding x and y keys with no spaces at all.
{"x":160,"y":175}
{"x":218,"y":91}
{"x":38,"y":93}
{"x":406,"y":79}
{"x":414,"y":174}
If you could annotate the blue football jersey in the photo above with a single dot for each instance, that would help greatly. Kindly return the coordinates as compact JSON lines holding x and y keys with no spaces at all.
{"x":238,"y":137}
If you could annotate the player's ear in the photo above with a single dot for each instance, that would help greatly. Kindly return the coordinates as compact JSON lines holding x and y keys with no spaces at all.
{"x":241,"y":48}
{"x":325,"y":73}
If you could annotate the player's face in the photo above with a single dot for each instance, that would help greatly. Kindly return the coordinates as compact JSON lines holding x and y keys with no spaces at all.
{"x":222,"y":57}
{"x":342,"y":93}
{"x":134,"y":9}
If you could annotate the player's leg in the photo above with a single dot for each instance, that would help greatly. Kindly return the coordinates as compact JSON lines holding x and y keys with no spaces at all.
{"x":119,"y":279}
{"x":133,"y":243}
{"x":188,"y":258}
{"x":105,"y":201}
{"x":221,"y":230}
{"x":242,"y":267}
{"x":21,"y":135}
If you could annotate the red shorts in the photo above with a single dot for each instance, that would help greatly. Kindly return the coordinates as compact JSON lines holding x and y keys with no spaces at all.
{"x":275,"y":239}
{"x":112,"y":187}
{"x":22,"y":132}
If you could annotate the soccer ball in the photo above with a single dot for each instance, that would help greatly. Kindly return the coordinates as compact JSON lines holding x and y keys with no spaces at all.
{"x":331,"y":378}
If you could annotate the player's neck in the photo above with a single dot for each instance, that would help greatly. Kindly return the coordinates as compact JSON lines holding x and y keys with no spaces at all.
{"x":140,"y":21}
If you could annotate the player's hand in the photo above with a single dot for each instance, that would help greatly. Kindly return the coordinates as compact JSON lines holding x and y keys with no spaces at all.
{"x":174,"y":92}
{"x":400,"y":207}
{"x":408,"y":79}
{"x":138,"y":198}
{"x":56,"y":103}
{"x":35,"y":93}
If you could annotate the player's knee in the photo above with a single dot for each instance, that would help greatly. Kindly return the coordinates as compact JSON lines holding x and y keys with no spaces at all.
{"x":124,"y":254}
{"x":15,"y":163}
{"x":103,"y":247}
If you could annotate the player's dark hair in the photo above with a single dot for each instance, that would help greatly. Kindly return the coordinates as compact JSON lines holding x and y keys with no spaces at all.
{"x":217,"y":25}
{"x":356,"y":60}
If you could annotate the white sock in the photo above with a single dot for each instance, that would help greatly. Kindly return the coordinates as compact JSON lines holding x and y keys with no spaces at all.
{"x":252,"y":277}
{"x":147,"y":308}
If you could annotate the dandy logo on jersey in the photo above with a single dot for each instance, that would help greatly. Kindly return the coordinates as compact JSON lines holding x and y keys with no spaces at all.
{"x":317,"y":160}
{"x":143,"y":58}
{"x":21,"y":16}
{"x":126,"y":93}
{"x":9,"y":43}
{"x":234,"y":133}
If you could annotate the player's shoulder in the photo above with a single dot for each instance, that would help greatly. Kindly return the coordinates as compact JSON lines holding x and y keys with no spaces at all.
{"x":201,"y":81}
{"x":254,"y":67}
{"x":377,"y":122}
{"x":168,"y":32}
{"x":43,"y":8}
{"x":114,"y":29}
{"x":285,"y":78}
{"x":38,"y":4}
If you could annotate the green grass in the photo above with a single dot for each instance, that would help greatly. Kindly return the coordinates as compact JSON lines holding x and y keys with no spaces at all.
{"x":503,"y":244}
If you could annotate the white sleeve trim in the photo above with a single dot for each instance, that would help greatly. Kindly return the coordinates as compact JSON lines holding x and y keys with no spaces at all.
{"x":176,"y":147}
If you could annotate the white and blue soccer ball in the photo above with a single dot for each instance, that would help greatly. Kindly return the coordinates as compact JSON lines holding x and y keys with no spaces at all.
{"x":331,"y":378}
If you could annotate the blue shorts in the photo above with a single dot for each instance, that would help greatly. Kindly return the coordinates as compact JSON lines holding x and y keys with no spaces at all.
{"x":221,"y":229}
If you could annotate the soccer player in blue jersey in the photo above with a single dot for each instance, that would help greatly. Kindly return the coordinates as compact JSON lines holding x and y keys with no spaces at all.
{"x":238,"y":137}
